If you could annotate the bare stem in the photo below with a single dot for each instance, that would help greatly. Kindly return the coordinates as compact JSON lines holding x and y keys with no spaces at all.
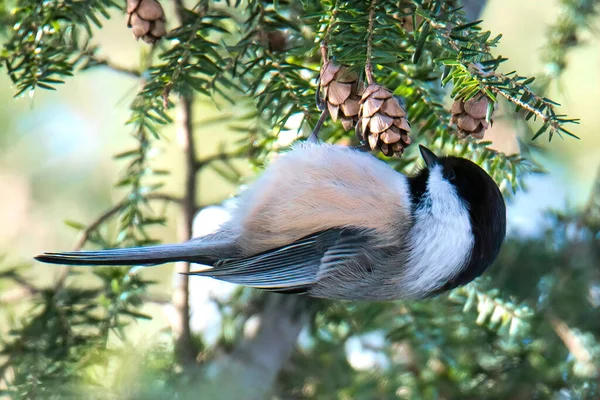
{"x":324,"y":50}
{"x":545,"y":118}
{"x":291,"y":90}
{"x":84,"y":235}
{"x":105,"y":62}
{"x":555,"y":125}
{"x":180,"y":10}
{"x":203,"y":162}
{"x":184,"y":349}
{"x":571,"y":341}
{"x":331,"y":22}
{"x":185,"y":353}
{"x":368,"y":64}
{"x":25,"y":290}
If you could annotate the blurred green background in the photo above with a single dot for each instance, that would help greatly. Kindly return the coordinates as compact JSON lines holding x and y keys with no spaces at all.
{"x":56,"y":148}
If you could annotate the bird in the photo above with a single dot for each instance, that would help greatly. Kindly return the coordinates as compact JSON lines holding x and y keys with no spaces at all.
{"x":333,"y":222}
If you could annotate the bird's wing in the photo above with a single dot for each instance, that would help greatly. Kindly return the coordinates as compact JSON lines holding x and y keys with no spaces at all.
{"x":294,"y":267}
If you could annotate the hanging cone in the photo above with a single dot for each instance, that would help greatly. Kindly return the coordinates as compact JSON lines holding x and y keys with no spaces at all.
{"x":277,"y":40}
{"x":382,"y":121}
{"x":340,"y":91}
{"x":147,"y":20}
{"x":469,"y":116}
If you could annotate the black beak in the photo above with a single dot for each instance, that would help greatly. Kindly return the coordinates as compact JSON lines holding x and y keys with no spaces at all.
{"x":430,"y":159}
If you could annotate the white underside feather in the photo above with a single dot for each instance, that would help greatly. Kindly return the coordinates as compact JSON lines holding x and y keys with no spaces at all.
{"x":440,"y":241}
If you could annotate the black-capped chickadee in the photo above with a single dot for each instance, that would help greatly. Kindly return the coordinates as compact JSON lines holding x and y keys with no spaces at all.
{"x":334,"y":222}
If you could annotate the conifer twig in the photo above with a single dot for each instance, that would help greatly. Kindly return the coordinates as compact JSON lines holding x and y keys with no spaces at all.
{"x":368,"y":64}
{"x":572,"y":342}
{"x":513,"y":99}
{"x":184,"y":347}
{"x":545,"y":118}
{"x":106,"y":63}
{"x":180,"y":10}
{"x":185,"y":352}
{"x":84,"y":235}
{"x":204,"y":162}
{"x":331,"y":23}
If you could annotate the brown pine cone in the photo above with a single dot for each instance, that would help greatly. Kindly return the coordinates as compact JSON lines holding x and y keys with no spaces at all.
{"x":277,"y":40}
{"x":382,"y":121}
{"x":340,"y":90}
{"x":147,"y":20}
{"x":469,"y":116}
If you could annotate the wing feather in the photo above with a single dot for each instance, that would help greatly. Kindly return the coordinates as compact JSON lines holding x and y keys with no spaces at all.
{"x":291,"y":268}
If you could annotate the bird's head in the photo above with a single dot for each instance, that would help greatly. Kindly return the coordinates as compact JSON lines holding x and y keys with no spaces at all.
{"x":449,"y":182}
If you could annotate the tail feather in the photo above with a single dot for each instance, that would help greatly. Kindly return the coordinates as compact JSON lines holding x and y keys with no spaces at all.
{"x":206,"y":253}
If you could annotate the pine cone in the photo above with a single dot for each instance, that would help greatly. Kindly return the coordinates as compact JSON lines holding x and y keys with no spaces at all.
{"x":469,"y":116}
{"x":382,"y":121}
{"x":341,"y":90}
{"x":147,"y":19}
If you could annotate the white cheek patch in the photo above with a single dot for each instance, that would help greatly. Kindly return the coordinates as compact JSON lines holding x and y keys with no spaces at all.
{"x":440,"y":240}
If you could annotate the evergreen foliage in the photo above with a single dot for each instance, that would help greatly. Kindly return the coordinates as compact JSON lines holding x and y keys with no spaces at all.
{"x":512,"y":334}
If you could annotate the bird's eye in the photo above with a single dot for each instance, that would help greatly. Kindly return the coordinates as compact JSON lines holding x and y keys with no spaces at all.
{"x":451,"y":175}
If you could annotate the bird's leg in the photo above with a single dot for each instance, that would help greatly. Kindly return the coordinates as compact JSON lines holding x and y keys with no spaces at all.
{"x":320,"y":103}
{"x":314,"y":136}
{"x":362,"y":147}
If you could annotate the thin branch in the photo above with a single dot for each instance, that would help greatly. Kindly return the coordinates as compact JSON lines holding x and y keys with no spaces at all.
{"x":321,"y":104}
{"x":84,"y":235}
{"x":18,"y":294}
{"x":105,"y":62}
{"x":203,"y":162}
{"x":26,"y":290}
{"x":184,"y":348}
{"x":292,"y":92}
{"x":324,"y":51}
{"x":331,"y":22}
{"x":166,"y":197}
{"x":545,"y":118}
{"x":570,"y":339}
{"x":368,"y":64}
{"x":185,"y":353}
{"x":180,"y":10}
